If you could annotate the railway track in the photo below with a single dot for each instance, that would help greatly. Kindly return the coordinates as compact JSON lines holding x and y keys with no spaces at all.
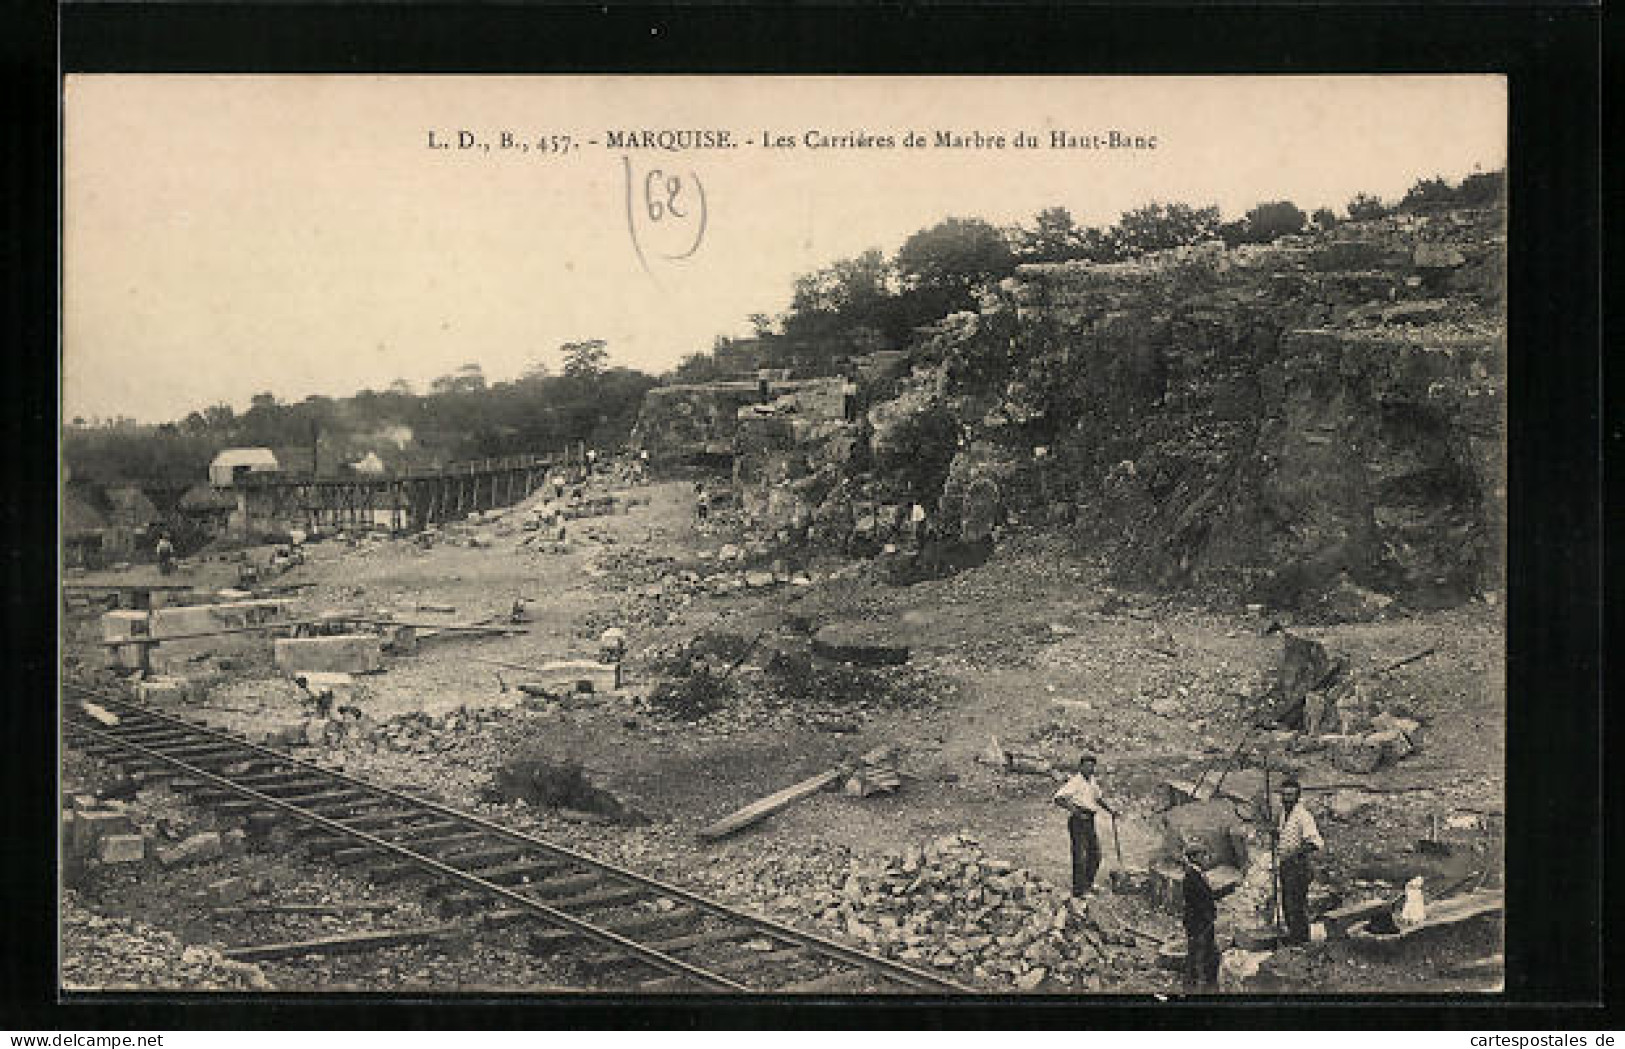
{"x":630,"y":930}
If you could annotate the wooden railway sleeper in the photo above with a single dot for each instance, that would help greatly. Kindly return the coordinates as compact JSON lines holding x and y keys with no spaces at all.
{"x":319,"y":802}
{"x":520,"y":872}
{"x":370,"y":815}
{"x":464,"y":901}
{"x":553,"y":939}
{"x":344,"y":855}
{"x":209,"y":790}
{"x":609,"y":895}
{"x":752,"y":964}
{"x":201,"y":752}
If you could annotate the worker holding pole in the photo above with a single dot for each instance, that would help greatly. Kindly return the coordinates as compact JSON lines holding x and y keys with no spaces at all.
{"x":1294,"y":841}
{"x":1080,"y":796}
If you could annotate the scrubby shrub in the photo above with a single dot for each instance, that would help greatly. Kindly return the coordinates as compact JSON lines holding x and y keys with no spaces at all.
{"x":1157,"y":226}
{"x":1428,"y":193}
{"x":1272,"y":219}
{"x":1366,"y":206}
{"x":1482,"y":190}
{"x":1324,"y":218}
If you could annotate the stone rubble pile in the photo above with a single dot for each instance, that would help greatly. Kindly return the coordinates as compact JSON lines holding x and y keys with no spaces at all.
{"x":950,"y":907}
{"x":415,"y":731}
{"x":121,"y":953}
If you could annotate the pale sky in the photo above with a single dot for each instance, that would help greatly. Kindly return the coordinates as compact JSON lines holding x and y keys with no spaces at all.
{"x":227,"y":235}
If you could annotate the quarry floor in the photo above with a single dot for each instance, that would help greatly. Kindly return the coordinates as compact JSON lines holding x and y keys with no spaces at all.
{"x":1031,"y":648}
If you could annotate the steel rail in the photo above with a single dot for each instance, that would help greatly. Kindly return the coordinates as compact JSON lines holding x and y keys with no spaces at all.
{"x":675,"y":966}
{"x":883,"y":966}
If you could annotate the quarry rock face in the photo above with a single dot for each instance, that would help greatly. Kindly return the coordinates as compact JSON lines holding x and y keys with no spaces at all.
{"x":1314,"y":423}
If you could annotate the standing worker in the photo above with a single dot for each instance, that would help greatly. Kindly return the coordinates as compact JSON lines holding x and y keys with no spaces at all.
{"x":916,"y":525}
{"x":1081,"y":797}
{"x":1297,"y":838}
{"x":1201,"y":948}
{"x":166,"y":554}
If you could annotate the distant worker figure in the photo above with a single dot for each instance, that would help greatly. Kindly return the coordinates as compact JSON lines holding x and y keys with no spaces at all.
{"x":702,"y":503}
{"x":592,"y":460}
{"x":166,"y":554}
{"x":1296,"y":838}
{"x":1201,"y":948}
{"x":1081,"y":797}
{"x":612,"y":645}
{"x":916,"y":524}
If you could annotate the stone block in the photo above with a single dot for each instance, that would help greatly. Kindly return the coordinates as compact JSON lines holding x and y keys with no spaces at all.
{"x":184,"y":619}
{"x":339,"y":653}
{"x":200,"y":619}
{"x":1356,"y":754}
{"x":860,"y":644}
{"x":122,"y":848}
{"x":1392,"y":743}
{"x":1215,"y":825}
{"x":292,"y":735}
{"x":124,"y":623}
{"x":1410,"y":727}
{"x":164,"y":690}
{"x":198,"y":848}
{"x":758,"y":580}
{"x":227,"y":891}
{"x":234,"y":841}
{"x":92,"y":825}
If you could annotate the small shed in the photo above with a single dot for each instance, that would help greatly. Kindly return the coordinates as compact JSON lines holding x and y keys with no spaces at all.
{"x":235,"y":462}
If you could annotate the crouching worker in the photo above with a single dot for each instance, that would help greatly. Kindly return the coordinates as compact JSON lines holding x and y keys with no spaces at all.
{"x":1201,"y":948}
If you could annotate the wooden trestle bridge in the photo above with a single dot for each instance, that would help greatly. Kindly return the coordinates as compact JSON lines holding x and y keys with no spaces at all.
{"x":407,"y":501}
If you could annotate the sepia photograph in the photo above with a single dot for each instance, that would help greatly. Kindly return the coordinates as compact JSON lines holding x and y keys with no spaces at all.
{"x":796,"y":535}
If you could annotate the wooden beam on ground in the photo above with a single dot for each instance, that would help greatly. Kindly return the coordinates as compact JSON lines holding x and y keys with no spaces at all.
{"x":772,"y":803}
{"x":365,"y":941}
{"x":101,"y":714}
{"x":1396,"y":664}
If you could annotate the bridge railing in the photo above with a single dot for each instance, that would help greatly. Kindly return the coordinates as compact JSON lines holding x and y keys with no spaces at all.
{"x":466,"y":468}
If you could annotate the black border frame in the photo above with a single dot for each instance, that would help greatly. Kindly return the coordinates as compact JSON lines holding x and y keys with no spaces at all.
{"x":1552,"y":55}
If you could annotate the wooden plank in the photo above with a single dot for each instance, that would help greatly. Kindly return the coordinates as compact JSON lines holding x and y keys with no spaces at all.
{"x":366,"y":941}
{"x":100,"y":714}
{"x":767,"y":806}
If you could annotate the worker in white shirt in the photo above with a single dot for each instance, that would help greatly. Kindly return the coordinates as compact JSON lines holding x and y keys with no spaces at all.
{"x":916,"y":525}
{"x":1081,"y":797}
{"x":1297,"y":837}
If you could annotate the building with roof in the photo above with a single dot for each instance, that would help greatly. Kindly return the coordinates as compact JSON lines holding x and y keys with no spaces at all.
{"x":235,"y":462}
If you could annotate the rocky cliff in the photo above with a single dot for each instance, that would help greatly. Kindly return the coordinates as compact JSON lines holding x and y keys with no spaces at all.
{"x":1315,"y":423}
